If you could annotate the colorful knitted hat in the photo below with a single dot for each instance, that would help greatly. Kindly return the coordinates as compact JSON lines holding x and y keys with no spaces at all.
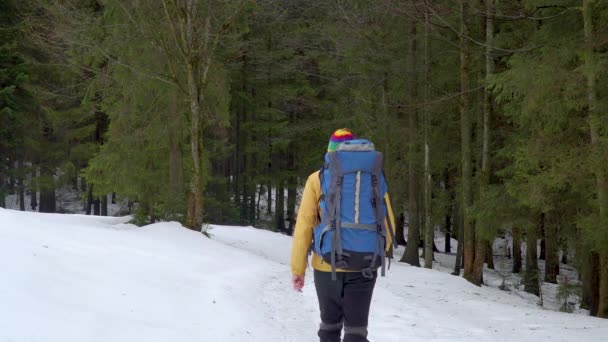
{"x":339,"y":137}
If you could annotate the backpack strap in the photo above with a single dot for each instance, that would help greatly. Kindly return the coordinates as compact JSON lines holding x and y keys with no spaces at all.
{"x":377,"y":200}
{"x":333,"y":198}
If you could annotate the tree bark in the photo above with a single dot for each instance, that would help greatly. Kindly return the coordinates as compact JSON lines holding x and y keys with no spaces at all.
{"x":459,"y":262}
{"x":400,"y":230}
{"x":291,"y":204}
{"x":591,"y":72}
{"x":195,"y":199}
{"x":47,"y":192}
{"x":531,"y":277}
{"x":21,"y":186}
{"x":551,"y":252}
{"x":280,"y":208}
{"x":490,"y":255}
{"x":33,"y":190}
{"x":448,"y":236}
{"x":269,"y":202}
{"x":602,"y":310}
{"x":565,"y":252}
{"x":594,"y":284}
{"x":516,"y":249}
{"x":89,"y":200}
{"x":428,"y":182}
{"x":465,"y":127}
{"x":257,"y":210}
{"x":97,"y":207}
{"x":104,"y":205}
{"x":411,"y":255}
{"x":584,"y":272}
{"x":479,"y":259}
{"x":175,"y":155}
{"x":541,"y":255}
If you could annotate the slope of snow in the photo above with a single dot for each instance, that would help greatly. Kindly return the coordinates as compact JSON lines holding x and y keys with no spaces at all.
{"x":84,"y":278}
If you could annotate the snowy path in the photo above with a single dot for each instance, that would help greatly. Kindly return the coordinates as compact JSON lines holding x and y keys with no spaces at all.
{"x":414,"y":304}
{"x":73,"y":278}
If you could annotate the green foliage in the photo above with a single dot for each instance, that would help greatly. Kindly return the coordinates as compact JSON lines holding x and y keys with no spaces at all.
{"x":566,"y":291}
{"x":100,"y":89}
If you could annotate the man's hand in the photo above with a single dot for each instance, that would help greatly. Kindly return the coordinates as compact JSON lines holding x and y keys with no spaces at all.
{"x":297,"y":282}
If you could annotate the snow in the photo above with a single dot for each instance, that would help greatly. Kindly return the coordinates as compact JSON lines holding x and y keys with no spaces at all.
{"x":88,"y":278}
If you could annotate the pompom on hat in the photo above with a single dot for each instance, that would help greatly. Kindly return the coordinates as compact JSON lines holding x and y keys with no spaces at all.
{"x":339,"y":136}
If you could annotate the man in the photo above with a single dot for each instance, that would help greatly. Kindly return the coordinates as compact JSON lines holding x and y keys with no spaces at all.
{"x":345,"y":301}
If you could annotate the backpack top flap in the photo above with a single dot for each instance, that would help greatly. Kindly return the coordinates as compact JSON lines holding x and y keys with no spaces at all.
{"x":355,"y":155}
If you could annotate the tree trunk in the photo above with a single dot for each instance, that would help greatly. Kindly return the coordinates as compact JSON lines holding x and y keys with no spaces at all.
{"x":594,"y":284}
{"x":551,"y":252}
{"x":252,"y":204}
{"x":481,"y":243}
{"x":21,"y":186}
{"x":269,"y":202}
{"x":465,"y":126}
{"x":411,"y":255}
{"x":490,"y":255}
{"x":400,"y":230}
{"x":47,"y":192}
{"x":280,"y":208}
{"x":459,"y":261}
{"x":479,"y":259}
{"x":541,"y":255}
{"x":195,"y":198}
{"x":584,"y":272}
{"x":591,"y":71}
{"x":97,"y":207}
{"x":104,"y":205}
{"x":291,"y":204}
{"x":531,"y":277}
{"x":257,"y":210}
{"x":448,"y":236}
{"x":516,"y":249}
{"x":175,"y":156}
{"x":89,"y":200}
{"x":428,"y":182}
{"x":602,"y":310}
{"x":34,"y":190}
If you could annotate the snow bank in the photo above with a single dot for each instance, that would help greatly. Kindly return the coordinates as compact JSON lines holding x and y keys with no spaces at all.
{"x":84,"y":278}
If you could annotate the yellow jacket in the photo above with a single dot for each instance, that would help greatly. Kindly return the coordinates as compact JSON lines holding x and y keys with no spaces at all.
{"x":308,"y":216}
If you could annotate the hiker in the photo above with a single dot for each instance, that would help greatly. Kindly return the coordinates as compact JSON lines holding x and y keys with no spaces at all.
{"x":346,"y":217}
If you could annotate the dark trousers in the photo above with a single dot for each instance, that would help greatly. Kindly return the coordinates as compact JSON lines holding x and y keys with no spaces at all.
{"x":344,"y":303}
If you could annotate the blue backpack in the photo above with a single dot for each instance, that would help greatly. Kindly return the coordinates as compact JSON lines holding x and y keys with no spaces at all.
{"x":352,"y":233}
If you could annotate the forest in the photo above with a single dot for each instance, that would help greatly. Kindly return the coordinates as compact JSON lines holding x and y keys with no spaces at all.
{"x":492,"y":116}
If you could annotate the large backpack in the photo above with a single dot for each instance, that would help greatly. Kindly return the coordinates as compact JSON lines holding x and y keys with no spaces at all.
{"x":351,"y":234}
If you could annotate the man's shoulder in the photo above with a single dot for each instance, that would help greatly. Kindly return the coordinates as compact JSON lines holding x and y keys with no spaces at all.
{"x":313,"y":179}
{"x":314,"y":174}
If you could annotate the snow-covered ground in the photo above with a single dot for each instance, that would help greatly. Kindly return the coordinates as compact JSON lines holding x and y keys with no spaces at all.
{"x":85,"y":278}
